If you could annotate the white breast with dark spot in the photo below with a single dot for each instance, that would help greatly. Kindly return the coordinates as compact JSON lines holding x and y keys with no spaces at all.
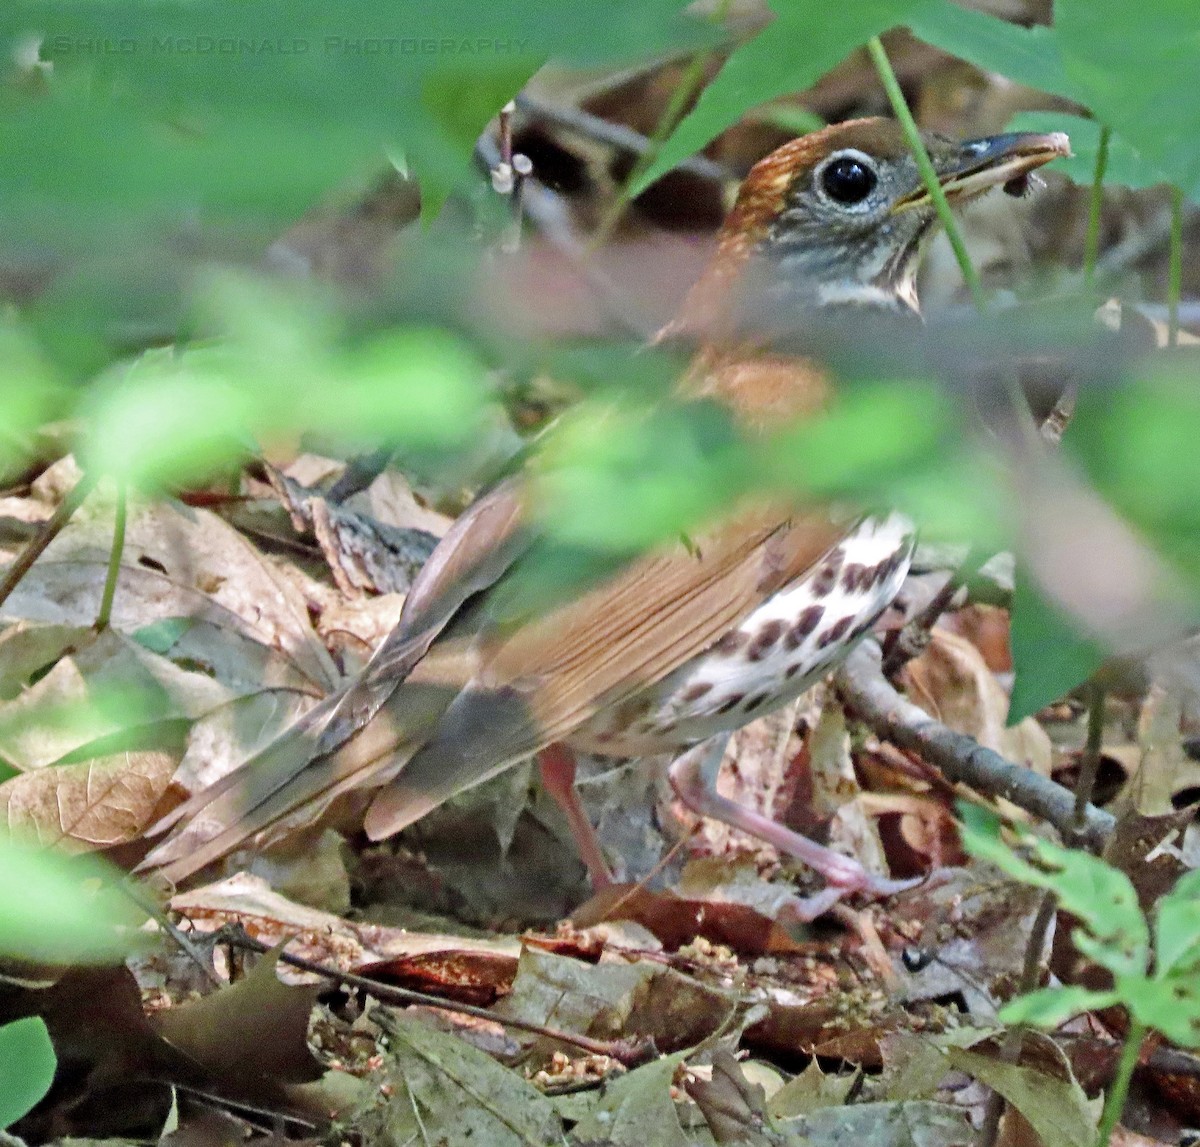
{"x":790,"y":641}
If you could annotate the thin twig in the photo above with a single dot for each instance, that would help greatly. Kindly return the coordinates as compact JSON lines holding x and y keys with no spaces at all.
{"x":961,"y":759}
{"x":903,"y":644}
{"x":1175,"y":278}
{"x":1089,"y":765}
{"x":47,"y":532}
{"x":1085,"y":783}
{"x":626,"y":1051}
{"x":549,"y":214}
{"x":617,"y":135}
{"x":689,"y":84}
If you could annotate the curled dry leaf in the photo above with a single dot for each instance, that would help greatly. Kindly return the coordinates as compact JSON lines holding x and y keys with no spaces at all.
{"x":951,"y":681}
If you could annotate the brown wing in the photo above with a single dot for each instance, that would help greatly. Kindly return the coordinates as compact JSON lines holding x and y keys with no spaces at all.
{"x":325,"y":751}
{"x":540,"y":683}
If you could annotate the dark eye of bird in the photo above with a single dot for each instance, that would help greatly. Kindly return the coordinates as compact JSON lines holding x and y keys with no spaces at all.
{"x":848,"y":180}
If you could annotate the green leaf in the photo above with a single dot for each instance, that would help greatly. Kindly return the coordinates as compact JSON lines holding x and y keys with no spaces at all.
{"x":460,"y":101}
{"x":1049,"y":657}
{"x":1177,"y":927}
{"x":1049,"y":1007}
{"x":1101,"y":896}
{"x":1170,"y":1005}
{"x":805,"y":40}
{"x":1125,"y":164}
{"x":637,"y":1109}
{"x":27,"y":1065}
{"x":161,"y":636}
{"x":168,"y":134}
{"x":63,"y":909}
{"x":1136,"y":441}
{"x":1029,"y":56}
{"x":1133,"y":65}
{"x":1055,"y":1108}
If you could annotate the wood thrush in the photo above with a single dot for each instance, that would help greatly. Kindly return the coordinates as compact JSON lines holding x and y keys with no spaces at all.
{"x":686,"y":643}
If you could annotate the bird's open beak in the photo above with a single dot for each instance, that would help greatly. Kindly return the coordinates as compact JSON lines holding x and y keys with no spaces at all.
{"x":997,"y":160}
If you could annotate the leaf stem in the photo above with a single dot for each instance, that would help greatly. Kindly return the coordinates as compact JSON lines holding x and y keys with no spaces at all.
{"x":689,"y":83}
{"x":1091,"y":246}
{"x":1114,"y":1101}
{"x":114,"y":560}
{"x":1175,"y":280}
{"x":47,"y":532}
{"x":912,"y":134}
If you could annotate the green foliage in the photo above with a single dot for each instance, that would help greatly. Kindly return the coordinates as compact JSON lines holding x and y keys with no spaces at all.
{"x":770,"y":65}
{"x":60,"y":909}
{"x":200,"y":128}
{"x":1128,"y":64}
{"x":1030,"y":56}
{"x":1155,"y":965}
{"x":27,"y":1064}
{"x":1049,"y":655}
{"x":1125,"y":165}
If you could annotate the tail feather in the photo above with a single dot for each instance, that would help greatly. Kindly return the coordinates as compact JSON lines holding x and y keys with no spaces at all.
{"x":294,"y":778}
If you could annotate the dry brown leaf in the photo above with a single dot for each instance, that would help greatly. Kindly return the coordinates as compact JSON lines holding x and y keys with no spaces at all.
{"x":316,"y":935}
{"x":179,"y":562}
{"x":111,"y":686}
{"x":951,"y":682}
{"x":90,"y":804}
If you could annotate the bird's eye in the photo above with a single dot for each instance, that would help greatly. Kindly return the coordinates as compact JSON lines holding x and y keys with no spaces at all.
{"x":848,"y":180}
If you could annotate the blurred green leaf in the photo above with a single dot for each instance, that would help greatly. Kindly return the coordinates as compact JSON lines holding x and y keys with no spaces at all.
{"x":1137,"y":444}
{"x":1050,"y":657}
{"x":1131,"y":65}
{"x":1029,"y":56}
{"x":27,"y":1066}
{"x":805,"y":40}
{"x":1050,"y":1007}
{"x":150,"y":138}
{"x":167,"y":419}
{"x":1177,"y":927}
{"x":874,"y":432}
{"x":63,"y":910}
{"x":1125,"y":164}
{"x":1170,"y":1005}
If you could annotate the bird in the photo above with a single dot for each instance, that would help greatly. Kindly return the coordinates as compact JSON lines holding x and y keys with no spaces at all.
{"x":692,"y":640}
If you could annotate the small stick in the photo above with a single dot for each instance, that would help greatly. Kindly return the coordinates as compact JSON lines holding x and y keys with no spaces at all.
{"x":47,"y":532}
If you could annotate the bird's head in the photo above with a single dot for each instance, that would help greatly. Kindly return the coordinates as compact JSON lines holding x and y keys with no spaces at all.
{"x":839,"y":217}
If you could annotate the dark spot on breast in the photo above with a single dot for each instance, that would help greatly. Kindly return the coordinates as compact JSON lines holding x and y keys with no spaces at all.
{"x":732,"y":702}
{"x":755,"y":701}
{"x":804,"y":626}
{"x":731,"y":642}
{"x":695,"y":692}
{"x":854,"y":577}
{"x":764,"y":640}
{"x":794,"y":668}
{"x":873,"y":575}
{"x":835,"y":632}
{"x":827,"y":576}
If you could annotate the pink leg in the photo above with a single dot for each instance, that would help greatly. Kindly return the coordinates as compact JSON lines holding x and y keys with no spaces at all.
{"x":693,"y":777}
{"x":557,"y":767}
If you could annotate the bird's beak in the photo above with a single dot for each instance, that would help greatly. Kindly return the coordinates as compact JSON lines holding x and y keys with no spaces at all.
{"x":997,"y":160}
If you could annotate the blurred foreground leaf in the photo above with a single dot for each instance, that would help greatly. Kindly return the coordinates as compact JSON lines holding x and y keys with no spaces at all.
{"x":27,"y":1065}
{"x":62,"y":910}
